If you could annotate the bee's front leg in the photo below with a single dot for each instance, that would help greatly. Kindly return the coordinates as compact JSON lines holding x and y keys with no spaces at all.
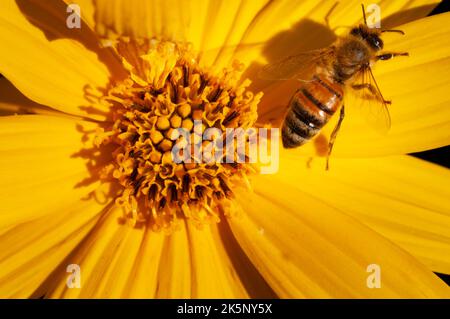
{"x":390,"y":55}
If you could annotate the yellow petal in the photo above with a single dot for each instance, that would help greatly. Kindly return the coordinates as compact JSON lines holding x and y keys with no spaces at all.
{"x":175,"y":275}
{"x":146,"y":19}
{"x":48,"y":62}
{"x":207,"y":263}
{"x":12,"y":101}
{"x":109,"y":250}
{"x":208,"y":25}
{"x":190,"y":263}
{"x":403,"y":198}
{"x":305,"y":248}
{"x":43,"y":215}
{"x":225,"y":24}
{"x":40,"y":171}
{"x":31,"y":251}
{"x":214,"y":275}
{"x":417,"y":86}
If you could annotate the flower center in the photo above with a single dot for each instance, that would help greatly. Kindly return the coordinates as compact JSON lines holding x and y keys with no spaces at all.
{"x":167,"y":91}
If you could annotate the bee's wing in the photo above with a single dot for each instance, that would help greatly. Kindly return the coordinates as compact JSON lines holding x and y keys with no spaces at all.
{"x":300,"y":67}
{"x":370,"y":103}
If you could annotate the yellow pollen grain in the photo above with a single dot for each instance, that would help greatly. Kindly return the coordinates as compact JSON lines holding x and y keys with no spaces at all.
{"x":187,"y":124}
{"x":156,"y":137}
{"x":155,"y":157}
{"x":165,"y":145}
{"x":175,"y":121}
{"x":162,"y":123}
{"x":184,"y":110}
{"x":167,"y":157}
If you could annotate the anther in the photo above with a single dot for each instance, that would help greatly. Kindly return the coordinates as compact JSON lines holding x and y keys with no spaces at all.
{"x":230,"y":117}
{"x":230,"y":102}
{"x":186,"y":181}
{"x":185,"y":75}
{"x":224,"y":187}
{"x":199,"y":192}
{"x":173,"y":193}
{"x":162,"y":203}
{"x":175,"y":92}
{"x":137,"y":184}
{"x":152,"y":192}
{"x":216,"y":95}
{"x":134,"y":174}
{"x":203,"y":84}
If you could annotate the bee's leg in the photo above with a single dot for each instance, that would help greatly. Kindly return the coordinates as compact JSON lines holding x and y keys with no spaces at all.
{"x":367,"y":86}
{"x":327,"y":16}
{"x":390,"y":55}
{"x":333,"y":136}
{"x":371,"y":89}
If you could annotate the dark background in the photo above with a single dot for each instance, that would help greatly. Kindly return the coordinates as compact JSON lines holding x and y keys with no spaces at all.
{"x":441,"y":155}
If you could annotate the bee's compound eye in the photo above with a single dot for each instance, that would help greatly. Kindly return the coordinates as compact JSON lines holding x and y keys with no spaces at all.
{"x":375,"y":42}
{"x":378,"y":43}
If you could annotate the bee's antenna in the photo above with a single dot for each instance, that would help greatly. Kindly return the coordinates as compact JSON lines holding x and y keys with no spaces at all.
{"x":327,"y":17}
{"x":396,"y":31}
{"x":364,"y":14}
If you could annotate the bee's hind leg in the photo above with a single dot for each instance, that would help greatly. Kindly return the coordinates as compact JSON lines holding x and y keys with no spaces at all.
{"x":333,"y":136}
{"x":390,"y":55}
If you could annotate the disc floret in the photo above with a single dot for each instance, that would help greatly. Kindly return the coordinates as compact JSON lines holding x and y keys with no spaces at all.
{"x":167,"y":90}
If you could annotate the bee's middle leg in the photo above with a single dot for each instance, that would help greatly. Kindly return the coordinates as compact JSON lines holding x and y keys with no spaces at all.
{"x":371,"y":89}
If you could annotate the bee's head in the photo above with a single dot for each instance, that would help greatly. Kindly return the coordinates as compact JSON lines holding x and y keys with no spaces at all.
{"x":370,"y":36}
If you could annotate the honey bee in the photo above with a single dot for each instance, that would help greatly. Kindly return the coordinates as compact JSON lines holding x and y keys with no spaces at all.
{"x":325,"y":75}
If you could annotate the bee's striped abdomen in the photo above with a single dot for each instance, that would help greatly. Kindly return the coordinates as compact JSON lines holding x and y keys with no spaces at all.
{"x":310,"y":109}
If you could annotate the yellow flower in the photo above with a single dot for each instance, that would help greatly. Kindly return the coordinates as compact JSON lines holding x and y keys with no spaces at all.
{"x":85,"y":180}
